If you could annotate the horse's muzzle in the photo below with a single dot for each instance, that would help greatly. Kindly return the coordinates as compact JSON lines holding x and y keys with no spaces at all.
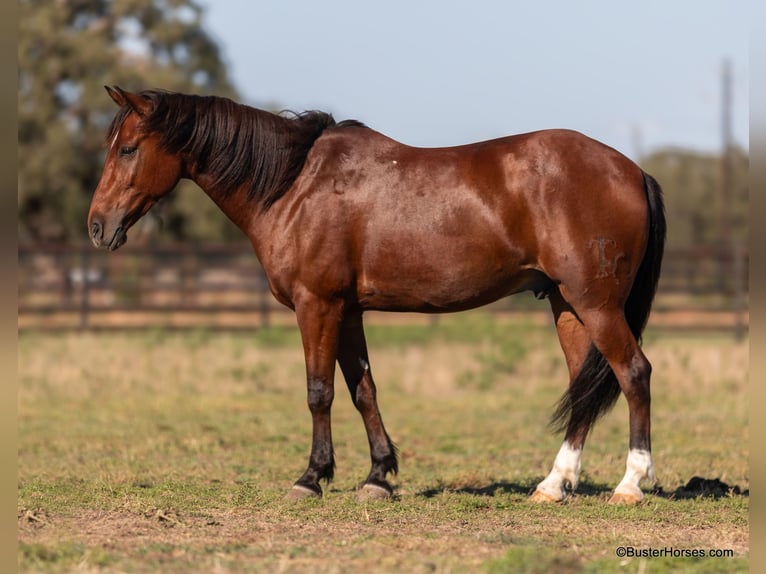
{"x":118,"y":238}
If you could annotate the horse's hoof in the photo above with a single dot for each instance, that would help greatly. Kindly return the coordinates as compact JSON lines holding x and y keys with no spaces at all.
{"x":626,"y":497}
{"x":298,"y":492}
{"x":543,"y":497}
{"x":373,"y":492}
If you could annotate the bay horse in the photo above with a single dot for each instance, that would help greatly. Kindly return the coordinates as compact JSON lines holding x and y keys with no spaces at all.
{"x":344,"y":219}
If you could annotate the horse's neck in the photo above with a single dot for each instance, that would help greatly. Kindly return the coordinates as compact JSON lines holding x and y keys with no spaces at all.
{"x":235,"y":205}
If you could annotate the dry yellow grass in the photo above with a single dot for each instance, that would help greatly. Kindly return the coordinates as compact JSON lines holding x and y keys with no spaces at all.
{"x":155,"y":450}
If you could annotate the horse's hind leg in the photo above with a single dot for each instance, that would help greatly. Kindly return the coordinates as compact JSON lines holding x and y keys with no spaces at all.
{"x":612,"y":336}
{"x":575,"y":343}
{"x":354,"y":362}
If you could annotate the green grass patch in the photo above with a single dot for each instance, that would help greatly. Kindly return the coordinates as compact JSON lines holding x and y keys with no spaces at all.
{"x":529,"y":560}
{"x":63,"y":557}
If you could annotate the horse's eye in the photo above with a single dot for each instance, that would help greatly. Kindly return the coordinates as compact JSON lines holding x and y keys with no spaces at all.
{"x":127,"y":150}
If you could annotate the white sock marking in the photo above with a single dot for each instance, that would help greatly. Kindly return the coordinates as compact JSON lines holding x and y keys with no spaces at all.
{"x":566,"y":469}
{"x":638,"y":467}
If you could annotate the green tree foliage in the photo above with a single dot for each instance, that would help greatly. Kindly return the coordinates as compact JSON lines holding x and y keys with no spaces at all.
{"x":69,"y":49}
{"x":692,"y":183}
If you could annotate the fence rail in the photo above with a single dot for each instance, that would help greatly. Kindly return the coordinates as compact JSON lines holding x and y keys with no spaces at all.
{"x":184,"y":285}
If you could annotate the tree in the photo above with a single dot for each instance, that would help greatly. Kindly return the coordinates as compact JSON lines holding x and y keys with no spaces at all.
{"x":68,"y":49}
{"x":692,"y":185}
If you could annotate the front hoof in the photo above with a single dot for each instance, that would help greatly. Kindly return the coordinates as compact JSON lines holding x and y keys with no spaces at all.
{"x":298,"y":492}
{"x":542,"y":497}
{"x":627,"y":497}
{"x":373,"y":492}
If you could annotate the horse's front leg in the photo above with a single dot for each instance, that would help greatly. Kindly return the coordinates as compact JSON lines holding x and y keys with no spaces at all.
{"x":319,"y":322}
{"x":354,"y":362}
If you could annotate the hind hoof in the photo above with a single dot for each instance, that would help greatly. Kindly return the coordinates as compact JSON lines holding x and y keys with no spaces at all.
{"x":627,"y":497}
{"x":373,"y":492}
{"x":541,"y":497}
{"x":298,"y":492}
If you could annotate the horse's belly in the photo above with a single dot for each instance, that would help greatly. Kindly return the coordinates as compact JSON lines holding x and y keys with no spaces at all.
{"x":444,"y":287}
{"x":441,"y":257}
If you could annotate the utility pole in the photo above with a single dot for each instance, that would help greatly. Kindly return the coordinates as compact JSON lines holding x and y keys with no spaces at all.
{"x":731,"y":253}
{"x":726,"y":156}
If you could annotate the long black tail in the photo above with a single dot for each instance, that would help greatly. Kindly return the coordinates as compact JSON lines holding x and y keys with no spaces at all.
{"x":595,"y":389}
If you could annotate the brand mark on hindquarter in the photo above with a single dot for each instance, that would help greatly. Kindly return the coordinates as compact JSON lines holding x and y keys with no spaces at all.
{"x":607,"y":256}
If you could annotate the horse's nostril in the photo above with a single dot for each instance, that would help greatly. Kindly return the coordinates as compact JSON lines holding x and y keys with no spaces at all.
{"x":96,"y":230}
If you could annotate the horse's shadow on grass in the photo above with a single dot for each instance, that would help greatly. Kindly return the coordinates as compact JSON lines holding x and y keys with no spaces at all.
{"x":696,"y":487}
{"x":501,"y":487}
{"x":584,"y":488}
{"x":699,"y":487}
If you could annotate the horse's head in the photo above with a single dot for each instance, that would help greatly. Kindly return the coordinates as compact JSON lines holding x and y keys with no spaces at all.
{"x":137,"y":173}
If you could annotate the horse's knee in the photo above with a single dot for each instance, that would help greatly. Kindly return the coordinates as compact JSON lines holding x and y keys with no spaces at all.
{"x":320,"y":394}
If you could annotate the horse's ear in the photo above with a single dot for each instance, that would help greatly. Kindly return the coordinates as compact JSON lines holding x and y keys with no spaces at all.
{"x":138,"y":104}
{"x":116,"y":94}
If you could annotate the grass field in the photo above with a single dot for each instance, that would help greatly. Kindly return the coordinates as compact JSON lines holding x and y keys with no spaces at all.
{"x":171,"y":452}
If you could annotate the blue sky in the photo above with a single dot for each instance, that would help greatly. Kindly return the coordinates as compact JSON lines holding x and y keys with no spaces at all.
{"x":636,"y":75}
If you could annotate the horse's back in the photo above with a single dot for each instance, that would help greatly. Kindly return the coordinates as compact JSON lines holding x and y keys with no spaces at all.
{"x":566,"y":161}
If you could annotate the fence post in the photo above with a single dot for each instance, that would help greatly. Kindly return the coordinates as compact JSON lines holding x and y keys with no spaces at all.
{"x":739,"y":290}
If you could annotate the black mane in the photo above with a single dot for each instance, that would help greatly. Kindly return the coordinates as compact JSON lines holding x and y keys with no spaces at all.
{"x":234,"y":143}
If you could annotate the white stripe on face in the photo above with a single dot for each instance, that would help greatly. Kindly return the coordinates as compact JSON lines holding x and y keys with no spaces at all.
{"x":114,"y":139}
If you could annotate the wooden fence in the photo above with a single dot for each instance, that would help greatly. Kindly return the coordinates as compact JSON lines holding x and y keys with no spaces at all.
{"x":223,"y":286}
